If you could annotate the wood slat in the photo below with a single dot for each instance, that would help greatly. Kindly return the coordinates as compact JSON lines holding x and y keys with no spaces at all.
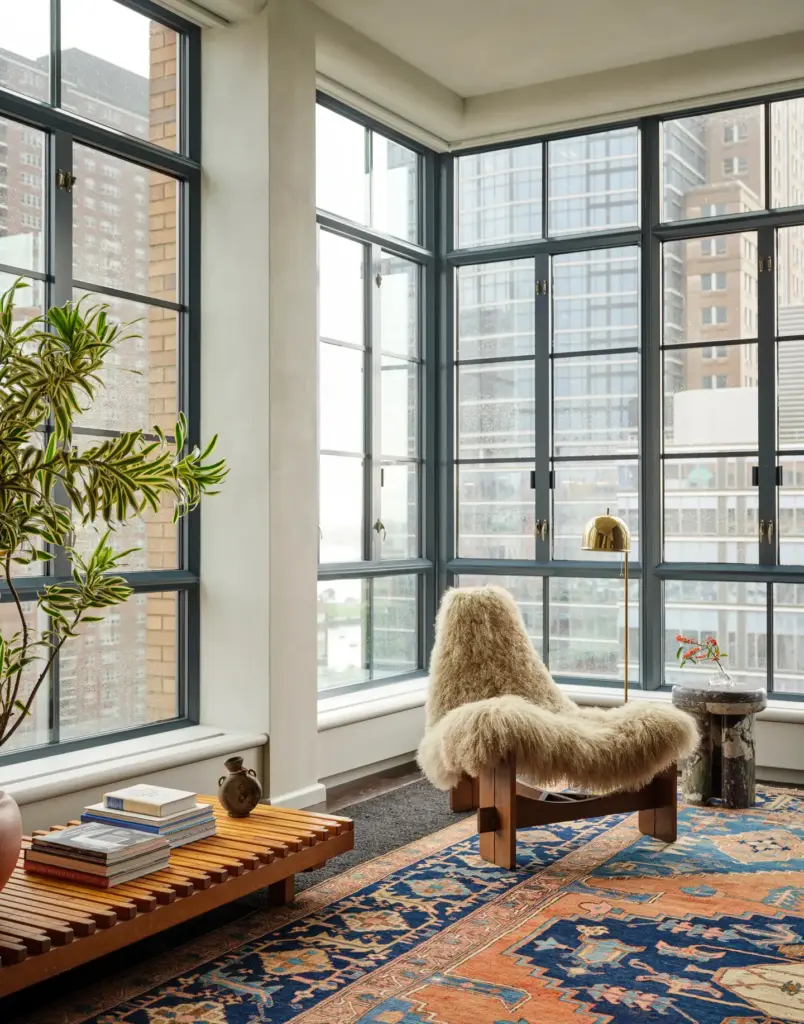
{"x":124,"y":908}
{"x":248,"y":860}
{"x":59,"y":932}
{"x":182,"y":886}
{"x":293,"y":842}
{"x":146,"y":887}
{"x":34,"y":940}
{"x":276,"y":846}
{"x":12,"y":951}
{"x":79,"y":923}
{"x":103,"y":917}
{"x":238,"y":847}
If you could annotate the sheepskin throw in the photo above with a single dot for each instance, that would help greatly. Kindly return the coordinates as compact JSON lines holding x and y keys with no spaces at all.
{"x":491,"y":697}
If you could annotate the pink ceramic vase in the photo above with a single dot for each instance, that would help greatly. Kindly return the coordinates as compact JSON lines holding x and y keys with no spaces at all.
{"x":10,"y":836}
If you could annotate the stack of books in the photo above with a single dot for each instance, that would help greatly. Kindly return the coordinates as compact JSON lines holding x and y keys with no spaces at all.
{"x":172,"y":813}
{"x":97,"y":855}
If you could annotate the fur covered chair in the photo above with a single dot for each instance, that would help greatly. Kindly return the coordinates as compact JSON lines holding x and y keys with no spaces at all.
{"x":495,"y":715}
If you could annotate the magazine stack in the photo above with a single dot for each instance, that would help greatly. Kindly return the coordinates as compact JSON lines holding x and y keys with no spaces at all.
{"x":157,"y":811}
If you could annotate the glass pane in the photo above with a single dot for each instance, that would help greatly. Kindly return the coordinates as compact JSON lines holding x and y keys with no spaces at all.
{"x":124,"y":225}
{"x":527,"y":591}
{"x":399,"y":511}
{"x":400,"y":407}
{"x":587,"y":628}
{"x":34,"y":729}
{"x":596,"y":300}
{"x":596,"y":404}
{"x":496,"y":316}
{"x":496,"y":412}
{"x":496,"y":512}
{"x":341,"y":299}
{"x":499,"y":196}
{"x":710,"y":510}
{"x":341,"y":509}
{"x":119,"y":68}
{"x":714,"y":164}
{"x":122,"y":672}
{"x":340,"y":398}
{"x":24,"y":57}
{"x":395,"y":188}
{"x":584,"y":490}
{"x":791,"y":511}
{"x":140,"y":373}
{"x":710,"y":289}
{"x":734,"y":613}
{"x":788,"y":638}
{"x":341,"y":166}
{"x":710,"y":398}
{"x":342,"y":633}
{"x":23,"y":163}
{"x":594,"y":182}
{"x":790,"y":393}
{"x":787,"y":134}
{"x":155,"y":535}
{"x":29,"y":301}
{"x":394,"y":626}
{"x":790,"y":280}
{"x":399,"y":307}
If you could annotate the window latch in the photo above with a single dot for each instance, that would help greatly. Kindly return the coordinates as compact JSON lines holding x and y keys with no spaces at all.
{"x":378,"y":280}
{"x":65,"y":180}
{"x":379,"y":528}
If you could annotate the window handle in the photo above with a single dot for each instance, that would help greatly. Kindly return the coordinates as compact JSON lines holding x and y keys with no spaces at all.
{"x":762,"y":529}
{"x":379,"y":528}
{"x":770,"y":531}
{"x":544,"y":529}
{"x":537,"y":529}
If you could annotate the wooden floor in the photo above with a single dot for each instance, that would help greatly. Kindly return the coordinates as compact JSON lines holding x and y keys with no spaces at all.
{"x":48,"y":925}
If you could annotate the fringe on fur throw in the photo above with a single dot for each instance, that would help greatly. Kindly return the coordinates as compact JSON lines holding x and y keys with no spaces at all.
{"x":491,"y":696}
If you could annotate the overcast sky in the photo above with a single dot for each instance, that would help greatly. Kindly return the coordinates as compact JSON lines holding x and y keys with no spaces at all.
{"x":101,"y":27}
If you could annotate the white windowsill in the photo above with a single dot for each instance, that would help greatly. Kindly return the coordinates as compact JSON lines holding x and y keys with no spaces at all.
{"x":45,"y":777}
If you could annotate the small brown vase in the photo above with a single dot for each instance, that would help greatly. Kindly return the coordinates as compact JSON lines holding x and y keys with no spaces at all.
{"x":10,"y":836}
{"x":240,"y":791}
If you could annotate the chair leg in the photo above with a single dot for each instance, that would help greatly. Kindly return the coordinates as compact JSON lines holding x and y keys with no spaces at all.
{"x":661,"y":820}
{"x":498,"y":790}
{"x":465,"y":796}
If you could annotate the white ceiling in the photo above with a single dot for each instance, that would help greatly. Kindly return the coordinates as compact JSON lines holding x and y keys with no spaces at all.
{"x":482,"y":46}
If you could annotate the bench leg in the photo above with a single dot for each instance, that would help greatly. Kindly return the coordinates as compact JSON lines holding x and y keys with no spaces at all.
{"x":661,"y":820}
{"x":282,"y":892}
{"x":465,"y":796}
{"x":498,"y":790}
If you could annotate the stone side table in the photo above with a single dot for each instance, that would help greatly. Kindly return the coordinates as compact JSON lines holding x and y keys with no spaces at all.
{"x":724,"y":765}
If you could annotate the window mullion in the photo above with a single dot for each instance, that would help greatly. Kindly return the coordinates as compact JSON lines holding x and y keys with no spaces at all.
{"x":766,"y":365}
{"x":55,"y":53}
{"x":374,"y":408}
{"x":542,"y":409}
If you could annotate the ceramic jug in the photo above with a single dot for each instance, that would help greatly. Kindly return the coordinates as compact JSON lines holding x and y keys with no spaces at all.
{"x":239,"y":792}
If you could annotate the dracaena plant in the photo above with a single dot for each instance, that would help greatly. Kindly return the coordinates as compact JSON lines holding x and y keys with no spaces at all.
{"x":50,"y":373}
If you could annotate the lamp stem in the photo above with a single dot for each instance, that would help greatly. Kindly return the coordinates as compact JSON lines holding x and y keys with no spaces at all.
{"x":625,"y":674}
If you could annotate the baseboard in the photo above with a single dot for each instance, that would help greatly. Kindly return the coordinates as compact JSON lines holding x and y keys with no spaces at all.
{"x":302,"y":799}
{"x":780,"y":776}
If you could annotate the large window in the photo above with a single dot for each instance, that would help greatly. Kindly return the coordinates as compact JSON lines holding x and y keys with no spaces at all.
{"x":626,"y":312}
{"x":99,"y":193}
{"x":375,"y":284}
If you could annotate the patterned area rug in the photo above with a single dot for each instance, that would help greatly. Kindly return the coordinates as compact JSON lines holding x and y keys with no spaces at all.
{"x":599,"y":924}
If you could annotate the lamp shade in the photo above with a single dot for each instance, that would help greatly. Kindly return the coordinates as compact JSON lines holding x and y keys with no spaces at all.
{"x":606,"y":533}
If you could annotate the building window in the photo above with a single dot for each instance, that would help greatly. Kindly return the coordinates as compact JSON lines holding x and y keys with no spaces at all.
{"x":735,"y":165}
{"x":713,"y":282}
{"x":714,"y":314}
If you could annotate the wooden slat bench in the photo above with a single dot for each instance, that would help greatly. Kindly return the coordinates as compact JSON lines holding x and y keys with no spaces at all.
{"x":48,"y":925}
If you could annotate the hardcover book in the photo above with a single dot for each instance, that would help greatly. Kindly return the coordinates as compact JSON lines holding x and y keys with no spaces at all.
{"x":96,"y":881}
{"x":158,"y":801}
{"x":167,"y":830}
{"x":159,"y":823}
{"x":95,"y":841}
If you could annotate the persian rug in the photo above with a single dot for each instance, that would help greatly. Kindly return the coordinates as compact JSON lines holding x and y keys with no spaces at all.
{"x":599,"y":924}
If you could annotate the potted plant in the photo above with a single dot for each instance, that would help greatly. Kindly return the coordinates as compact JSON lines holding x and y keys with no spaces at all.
{"x":692,"y":651}
{"x":50,"y":372}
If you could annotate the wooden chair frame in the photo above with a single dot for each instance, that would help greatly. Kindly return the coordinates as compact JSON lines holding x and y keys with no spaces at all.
{"x":503,"y":805}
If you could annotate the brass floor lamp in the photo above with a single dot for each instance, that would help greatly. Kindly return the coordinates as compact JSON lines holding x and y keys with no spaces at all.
{"x":609,"y":533}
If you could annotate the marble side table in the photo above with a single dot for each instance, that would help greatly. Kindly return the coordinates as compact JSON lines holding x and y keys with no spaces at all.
{"x":724,"y":765}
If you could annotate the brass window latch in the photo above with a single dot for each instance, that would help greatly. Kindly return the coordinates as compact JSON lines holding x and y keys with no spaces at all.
{"x":65,"y":180}
{"x":379,"y":527}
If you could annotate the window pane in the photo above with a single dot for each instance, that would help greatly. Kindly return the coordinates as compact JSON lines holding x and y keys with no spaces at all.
{"x":496,"y":413}
{"x":596,"y":300}
{"x":584,"y":490}
{"x":594,"y":182}
{"x":791,"y":511}
{"x":341,"y":169}
{"x":400,"y":407}
{"x":787,"y":136}
{"x":29,"y":301}
{"x":499,"y":196}
{"x":527,"y":591}
{"x":790,"y":385}
{"x":341,"y":300}
{"x":496,"y":512}
{"x":23,"y":214}
{"x":710,"y":510}
{"x":790,"y":280}
{"x":788,"y":640}
{"x":124,"y":225}
{"x":341,"y":509}
{"x":122,"y":672}
{"x":587,"y":628}
{"x":399,"y":511}
{"x":710,"y":289}
{"x":734,"y":613}
{"x":399,"y":307}
{"x":342,"y":633}
{"x":596,"y":404}
{"x":710,"y":398}
{"x":394,"y":626}
{"x":714,"y":164}
{"x":496,"y":317}
{"x":119,"y":68}
{"x":25,"y":48}
{"x":34,"y":729}
{"x":340,"y":398}
{"x":395,"y":189}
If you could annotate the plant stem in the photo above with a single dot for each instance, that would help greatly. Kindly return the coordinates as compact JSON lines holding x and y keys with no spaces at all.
{"x":12,"y":694}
